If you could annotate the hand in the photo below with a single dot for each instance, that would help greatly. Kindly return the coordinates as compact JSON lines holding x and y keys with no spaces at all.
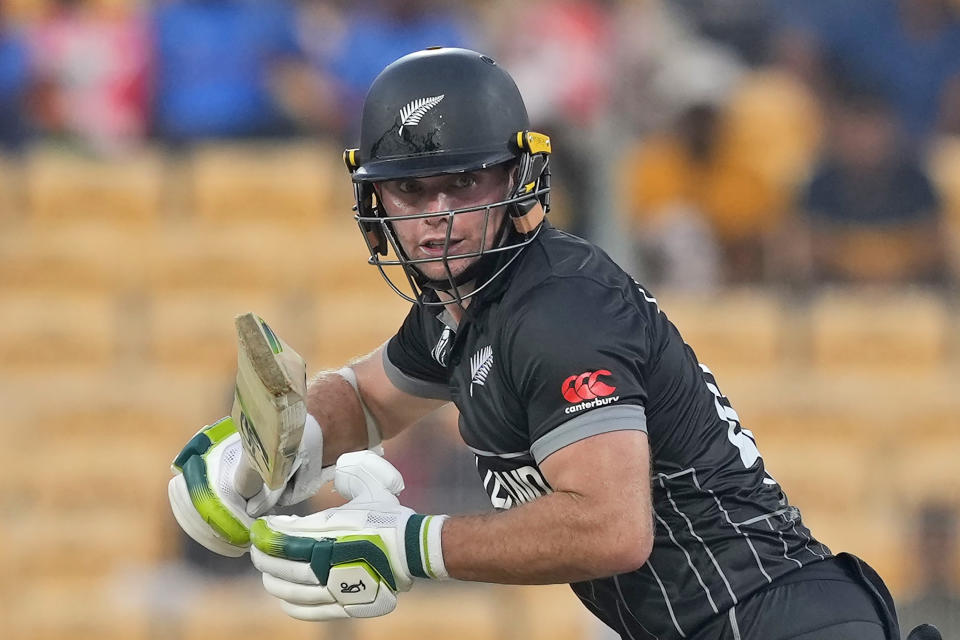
{"x":202,"y":494}
{"x":349,"y":562}
{"x":307,"y":477}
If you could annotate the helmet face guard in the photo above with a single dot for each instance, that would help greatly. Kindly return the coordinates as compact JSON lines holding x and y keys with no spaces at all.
{"x":441,"y":112}
{"x":521,"y":223}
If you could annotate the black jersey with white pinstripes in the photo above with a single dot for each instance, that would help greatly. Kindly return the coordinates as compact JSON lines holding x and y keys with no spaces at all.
{"x":568,"y":346}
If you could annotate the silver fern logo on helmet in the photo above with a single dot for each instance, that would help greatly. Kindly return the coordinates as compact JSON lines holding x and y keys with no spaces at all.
{"x":412,"y":113}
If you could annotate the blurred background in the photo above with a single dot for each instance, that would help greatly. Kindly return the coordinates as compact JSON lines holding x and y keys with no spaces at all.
{"x":785,"y":176}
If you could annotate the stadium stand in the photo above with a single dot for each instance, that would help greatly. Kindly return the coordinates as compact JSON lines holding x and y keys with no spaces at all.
{"x":850,"y":393}
{"x":289,"y":185}
{"x":64,"y":187}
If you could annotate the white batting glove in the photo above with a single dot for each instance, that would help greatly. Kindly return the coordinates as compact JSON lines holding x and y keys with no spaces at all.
{"x":202,"y":494}
{"x":349,"y":562}
{"x":307,"y":477}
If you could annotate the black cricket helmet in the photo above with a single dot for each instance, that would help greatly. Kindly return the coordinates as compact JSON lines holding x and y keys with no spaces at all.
{"x":447,"y":111}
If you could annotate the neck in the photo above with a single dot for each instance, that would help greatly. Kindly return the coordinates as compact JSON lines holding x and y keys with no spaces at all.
{"x":455,"y":308}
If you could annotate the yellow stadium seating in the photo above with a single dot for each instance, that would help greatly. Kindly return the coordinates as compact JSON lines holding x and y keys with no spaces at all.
{"x":467,"y":611}
{"x":88,"y":542}
{"x":253,"y":614}
{"x":900,"y":330}
{"x":142,"y":403}
{"x":64,"y":188}
{"x":11,"y":196}
{"x":204,"y":257}
{"x":281,"y":184}
{"x":194,"y":331}
{"x":924,"y":463}
{"x":731,"y":330}
{"x":92,"y":473}
{"x":876,"y":535}
{"x":78,"y":607}
{"x":42,"y":331}
{"x":836,"y":471}
{"x":91,"y":257}
{"x":353,"y":323}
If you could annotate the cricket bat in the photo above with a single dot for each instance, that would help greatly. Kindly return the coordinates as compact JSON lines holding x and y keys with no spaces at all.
{"x":269,"y":405}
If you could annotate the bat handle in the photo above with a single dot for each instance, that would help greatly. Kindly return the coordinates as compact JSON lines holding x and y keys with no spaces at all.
{"x":246,"y":480}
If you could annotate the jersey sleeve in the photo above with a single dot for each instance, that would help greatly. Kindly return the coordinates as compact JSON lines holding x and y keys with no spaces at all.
{"x":407,"y":358}
{"x":578,"y":356}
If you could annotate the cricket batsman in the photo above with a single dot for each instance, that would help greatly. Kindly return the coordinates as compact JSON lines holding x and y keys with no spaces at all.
{"x":614,"y":461}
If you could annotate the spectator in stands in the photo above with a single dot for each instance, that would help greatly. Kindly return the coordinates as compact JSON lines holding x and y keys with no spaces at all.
{"x":701,"y":212}
{"x":91,"y":62}
{"x":561,"y":55}
{"x":743,"y":25}
{"x":937,"y":598}
{"x":215,"y":61}
{"x":371,"y":34}
{"x":14,"y":84}
{"x":870,"y":212}
{"x":909,"y":48}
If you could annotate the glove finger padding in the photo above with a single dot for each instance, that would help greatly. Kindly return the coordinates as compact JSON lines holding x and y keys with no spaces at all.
{"x":202,"y":494}
{"x":300,"y":594}
{"x":360,"y":554}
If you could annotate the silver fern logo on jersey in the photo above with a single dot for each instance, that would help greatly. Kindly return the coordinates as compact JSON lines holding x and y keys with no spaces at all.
{"x":411,"y":114}
{"x":480,"y":365}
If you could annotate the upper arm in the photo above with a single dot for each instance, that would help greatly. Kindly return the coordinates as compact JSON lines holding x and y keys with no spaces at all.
{"x":393,"y":408}
{"x":598,"y":365}
{"x":610,"y":474}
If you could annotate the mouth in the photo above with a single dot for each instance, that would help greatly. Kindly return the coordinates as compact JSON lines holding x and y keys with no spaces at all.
{"x":434,"y":248}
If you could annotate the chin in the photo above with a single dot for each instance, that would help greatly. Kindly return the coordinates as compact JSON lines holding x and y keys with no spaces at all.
{"x":438,"y":272}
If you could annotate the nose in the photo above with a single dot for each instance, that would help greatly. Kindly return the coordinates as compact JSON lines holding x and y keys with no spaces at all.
{"x":438,"y":202}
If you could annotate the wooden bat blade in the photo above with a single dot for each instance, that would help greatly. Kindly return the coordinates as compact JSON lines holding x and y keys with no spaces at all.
{"x":269,"y":407}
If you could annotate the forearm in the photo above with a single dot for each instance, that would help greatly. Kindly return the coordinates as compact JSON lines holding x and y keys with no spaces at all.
{"x":335,"y":406}
{"x":558,"y":538}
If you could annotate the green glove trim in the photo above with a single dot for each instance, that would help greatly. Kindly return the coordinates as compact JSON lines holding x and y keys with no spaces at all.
{"x":220,"y":430}
{"x":197,"y":446}
{"x":280,"y":545}
{"x":426,"y":547}
{"x":204,"y":439}
{"x":208,"y":505}
{"x":369,"y":549}
{"x":411,"y":542}
{"x":324,"y":553}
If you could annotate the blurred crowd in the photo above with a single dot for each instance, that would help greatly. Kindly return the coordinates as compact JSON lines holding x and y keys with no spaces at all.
{"x":739,"y":140}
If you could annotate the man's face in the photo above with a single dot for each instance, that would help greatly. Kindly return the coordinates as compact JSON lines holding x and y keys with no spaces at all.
{"x":425,"y":237}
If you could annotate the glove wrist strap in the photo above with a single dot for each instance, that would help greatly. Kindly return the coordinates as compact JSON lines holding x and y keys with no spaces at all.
{"x":373,"y":429}
{"x":422,"y":546}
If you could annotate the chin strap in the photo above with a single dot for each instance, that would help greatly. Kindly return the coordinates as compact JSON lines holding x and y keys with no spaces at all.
{"x":530,"y":220}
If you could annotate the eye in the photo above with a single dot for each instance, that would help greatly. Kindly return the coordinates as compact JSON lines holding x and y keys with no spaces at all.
{"x":408,"y":186}
{"x":465,"y":181}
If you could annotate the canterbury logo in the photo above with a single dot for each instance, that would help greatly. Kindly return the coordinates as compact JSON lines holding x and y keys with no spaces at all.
{"x":480,"y":365}
{"x":412,"y":113}
{"x":586,"y":386}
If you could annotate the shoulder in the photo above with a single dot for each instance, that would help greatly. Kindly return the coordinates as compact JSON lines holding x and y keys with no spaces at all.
{"x":568,"y":289}
{"x":559,"y":263}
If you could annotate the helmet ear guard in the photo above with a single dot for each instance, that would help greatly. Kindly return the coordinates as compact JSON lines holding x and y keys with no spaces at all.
{"x":367,"y":206}
{"x":533,"y":178}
